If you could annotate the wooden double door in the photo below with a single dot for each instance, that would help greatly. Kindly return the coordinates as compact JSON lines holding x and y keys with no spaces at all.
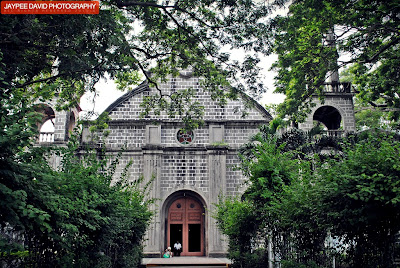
{"x":186,"y":225}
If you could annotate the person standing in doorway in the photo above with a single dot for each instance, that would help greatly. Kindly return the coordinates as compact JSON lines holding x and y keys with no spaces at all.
{"x":177,"y":248}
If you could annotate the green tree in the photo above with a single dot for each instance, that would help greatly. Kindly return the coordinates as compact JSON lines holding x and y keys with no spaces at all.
{"x":360,"y":198}
{"x":239,"y":221}
{"x":70,"y":216}
{"x":280,"y":173}
{"x":278,"y":168}
{"x":69,"y":54}
{"x":80,"y":215}
{"x":370,"y":116}
{"x":304,"y":197}
{"x":367,"y":36}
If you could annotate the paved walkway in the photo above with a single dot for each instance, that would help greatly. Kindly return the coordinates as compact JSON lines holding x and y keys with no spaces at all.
{"x":186,"y":261}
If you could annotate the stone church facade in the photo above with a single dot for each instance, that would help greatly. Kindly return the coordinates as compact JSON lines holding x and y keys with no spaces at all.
{"x":190,"y":170}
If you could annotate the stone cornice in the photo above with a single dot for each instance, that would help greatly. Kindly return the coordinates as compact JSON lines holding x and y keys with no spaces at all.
{"x":168,"y":122}
{"x":161,"y":149}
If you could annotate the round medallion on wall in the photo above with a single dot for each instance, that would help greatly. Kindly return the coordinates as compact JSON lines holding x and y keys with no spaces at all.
{"x":185,"y":137}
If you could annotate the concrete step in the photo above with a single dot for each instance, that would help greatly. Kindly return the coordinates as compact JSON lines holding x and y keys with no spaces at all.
{"x":193,"y":262}
{"x":191,"y":266}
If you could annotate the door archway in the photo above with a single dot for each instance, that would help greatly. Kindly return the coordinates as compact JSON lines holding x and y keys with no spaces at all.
{"x":185,"y":224}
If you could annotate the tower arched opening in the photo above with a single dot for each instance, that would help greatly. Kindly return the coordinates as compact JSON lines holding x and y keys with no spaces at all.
{"x":46,"y":126}
{"x":329,"y":116}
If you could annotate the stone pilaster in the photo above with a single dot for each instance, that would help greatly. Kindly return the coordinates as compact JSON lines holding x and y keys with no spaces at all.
{"x":60,"y":126}
{"x":152,"y":155}
{"x":217,"y":181}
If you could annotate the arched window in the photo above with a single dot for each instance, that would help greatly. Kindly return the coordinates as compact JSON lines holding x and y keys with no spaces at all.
{"x":47,"y":125}
{"x":46,"y":133}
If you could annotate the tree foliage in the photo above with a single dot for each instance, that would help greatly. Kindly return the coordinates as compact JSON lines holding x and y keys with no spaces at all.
{"x":313,"y":204}
{"x":69,"y":54}
{"x":361,"y":196}
{"x":79,"y":215}
{"x":239,"y":221}
{"x":367,"y":36}
{"x":158,"y":39}
{"x":367,"y":115}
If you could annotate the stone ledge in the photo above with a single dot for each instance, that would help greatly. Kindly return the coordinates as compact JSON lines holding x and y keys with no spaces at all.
{"x":178,"y":123}
{"x":217,"y":147}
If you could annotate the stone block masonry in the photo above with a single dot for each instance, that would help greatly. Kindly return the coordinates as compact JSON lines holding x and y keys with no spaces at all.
{"x":203,"y":168}
{"x":342,"y":103}
{"x":199,"y":166}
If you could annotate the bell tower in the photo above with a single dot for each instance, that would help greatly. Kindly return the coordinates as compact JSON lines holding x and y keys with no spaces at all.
{"x":55,"y":126}
{"x":336,"y":114}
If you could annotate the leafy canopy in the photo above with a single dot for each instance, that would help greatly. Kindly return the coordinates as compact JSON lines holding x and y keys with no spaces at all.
{"x":79,"y":214}
{"x":367,"y":38}
{"x":67,"y":55}
{"x":313,"y":204}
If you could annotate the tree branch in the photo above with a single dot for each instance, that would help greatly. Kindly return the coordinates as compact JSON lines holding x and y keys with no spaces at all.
{"x":149,"y":55}
{"x":196,"y":18}
{"x":380,"y":108}
{"x":57,"y":76}
{"x":195,"y":36}
{"x":381,"y":50}
{"x":121,"y":4}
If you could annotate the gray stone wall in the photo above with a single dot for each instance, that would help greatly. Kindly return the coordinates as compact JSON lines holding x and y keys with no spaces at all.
{"x":205,"y":167}
{"x":136,"y":168}
{"x":130,"y":108}
{"x":234,"y":177}
{"x":131,"y":136}
{"x":343,"y":103}
{"x":184,"y":169}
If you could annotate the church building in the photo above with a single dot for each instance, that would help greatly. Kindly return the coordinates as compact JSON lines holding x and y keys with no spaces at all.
{"x":189,"y":170}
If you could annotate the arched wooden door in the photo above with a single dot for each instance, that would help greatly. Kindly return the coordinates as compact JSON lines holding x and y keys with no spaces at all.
{"x":186,"y":225}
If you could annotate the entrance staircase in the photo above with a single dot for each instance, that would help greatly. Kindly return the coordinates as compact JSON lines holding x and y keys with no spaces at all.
{"x":192,"y":262}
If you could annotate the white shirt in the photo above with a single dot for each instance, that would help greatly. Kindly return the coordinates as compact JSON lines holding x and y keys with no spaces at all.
{"x":178,"y":246}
